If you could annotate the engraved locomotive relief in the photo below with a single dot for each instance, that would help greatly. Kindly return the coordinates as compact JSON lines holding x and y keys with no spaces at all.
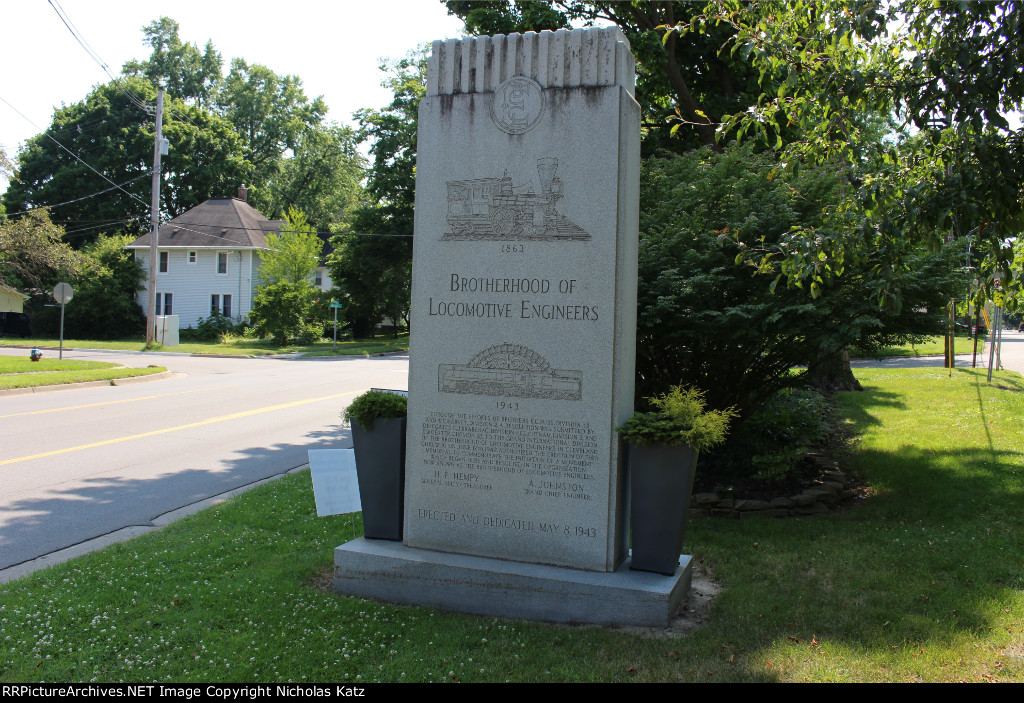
{"x":494,"y":208}
{"x":510,"y":370}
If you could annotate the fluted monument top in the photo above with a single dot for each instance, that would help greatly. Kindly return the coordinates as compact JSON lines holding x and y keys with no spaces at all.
{"x":567,"y":58}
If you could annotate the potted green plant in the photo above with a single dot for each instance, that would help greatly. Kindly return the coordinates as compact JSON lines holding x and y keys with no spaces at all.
{"x":663,"y":448}
{"x":378,"y":435}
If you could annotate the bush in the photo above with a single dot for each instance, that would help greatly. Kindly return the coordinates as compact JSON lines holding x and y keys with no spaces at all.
{"x":211,"y":329}
{"x":309,"y":333}
{"x":707,"y":313}
{"x":769,"y":447}
{"x":374,"y":405}
{"x":678,"y":418}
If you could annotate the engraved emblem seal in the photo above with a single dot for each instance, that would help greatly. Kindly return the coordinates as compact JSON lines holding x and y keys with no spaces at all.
{"x":517,"y":105}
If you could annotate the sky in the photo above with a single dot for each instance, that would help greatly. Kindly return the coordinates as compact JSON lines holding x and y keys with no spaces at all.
{"x":334,"y":46}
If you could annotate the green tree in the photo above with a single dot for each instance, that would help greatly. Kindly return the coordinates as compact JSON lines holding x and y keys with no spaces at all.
{"x":322,"y":177}
{"x":33,"y":253}
{"x":7,"y":166}
{"x":280,"y":310}
{"x":374,"y":273}
{"x":271,"y":113}
{"x":111,"y":135}
{"x":295,"y":159}
{"x":252,"y":126}
{"x":294,"y":253}
{"x":186,"y":73}
{"x":947,"y":69}
{"x":683,"y":87}
{"x":105,"y":284}
{"x":373,"y":276}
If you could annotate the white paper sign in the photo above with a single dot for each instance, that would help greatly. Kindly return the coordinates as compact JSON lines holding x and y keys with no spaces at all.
{"x":335,"y":486}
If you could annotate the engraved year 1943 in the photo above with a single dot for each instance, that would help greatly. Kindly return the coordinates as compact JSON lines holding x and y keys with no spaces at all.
{"x":513,"y":248}
{"x":506,"y":405}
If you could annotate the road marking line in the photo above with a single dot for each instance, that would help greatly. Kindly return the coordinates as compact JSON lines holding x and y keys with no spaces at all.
{"x":114,"y":402}
{"x":222,"y":418}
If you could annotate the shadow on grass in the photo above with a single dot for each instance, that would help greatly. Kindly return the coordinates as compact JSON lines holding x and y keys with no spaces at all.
{"x":926,"y":571}
{"x":932,"y":562}
{"x":864,"y":414}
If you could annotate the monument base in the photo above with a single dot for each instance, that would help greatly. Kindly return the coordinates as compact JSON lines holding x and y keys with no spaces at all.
{"x":392,"y":572}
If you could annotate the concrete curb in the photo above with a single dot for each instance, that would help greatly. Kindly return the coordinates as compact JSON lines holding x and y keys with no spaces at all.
{"x":90,"y":384}
{"x":129,"y":380}
{"x":126,"y":533}
{"x":206,"y":355}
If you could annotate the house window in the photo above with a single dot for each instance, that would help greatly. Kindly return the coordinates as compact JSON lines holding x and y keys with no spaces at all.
{"x":222,"y":262}
{"x":318,"y":280}
{"x":164,"y":303}
{"x":192,"y":257}
{"x":220,"y":304}
{"x":163,"y":261}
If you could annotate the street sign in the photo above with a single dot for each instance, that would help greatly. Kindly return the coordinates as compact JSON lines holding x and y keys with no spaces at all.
{"x":63,"y":293}
{"x":337,"y":306}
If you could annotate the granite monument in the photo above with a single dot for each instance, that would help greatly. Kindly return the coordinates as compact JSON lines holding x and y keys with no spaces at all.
{"x":523,"y":338}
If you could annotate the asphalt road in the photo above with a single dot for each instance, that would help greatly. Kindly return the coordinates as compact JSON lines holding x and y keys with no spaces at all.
{"x":1012,"y":355}
{"x":80,"y":464}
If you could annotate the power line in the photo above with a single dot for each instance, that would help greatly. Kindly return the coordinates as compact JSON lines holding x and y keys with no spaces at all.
{"x":22,"y":213}
{"x":73,"y":155}
{"x":80,"y":126}
{"x":253,"y":229}
{"x":95,"y":56}
{"x":75,"y":233}
{"x":116,"y":80}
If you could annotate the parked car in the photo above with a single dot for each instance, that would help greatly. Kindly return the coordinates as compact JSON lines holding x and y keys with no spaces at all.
{"x":14,"y":323}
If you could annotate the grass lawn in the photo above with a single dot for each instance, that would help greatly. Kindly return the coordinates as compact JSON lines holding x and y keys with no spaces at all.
{"x":921,"y":581}
{"x":243,"y":347}
{"x":23,"y":364}
{"x":933,"y":345}
{"x":57,"y":378}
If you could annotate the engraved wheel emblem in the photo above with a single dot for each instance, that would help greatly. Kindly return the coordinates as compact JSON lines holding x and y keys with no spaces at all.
{"x":517,"y":105}
{"x":512,"y":370}
{"x":509,"y":356}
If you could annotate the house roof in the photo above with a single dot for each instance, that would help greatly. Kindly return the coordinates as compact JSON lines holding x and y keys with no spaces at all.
{"x":11,"y":291}
{"x":218,"y":223}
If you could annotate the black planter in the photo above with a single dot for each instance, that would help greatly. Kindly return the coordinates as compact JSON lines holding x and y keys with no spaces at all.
{"x":380,"y":467}
{"x":660,"y":484}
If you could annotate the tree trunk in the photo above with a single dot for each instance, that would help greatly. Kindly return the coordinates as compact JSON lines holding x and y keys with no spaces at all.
{"x":832,"y":372}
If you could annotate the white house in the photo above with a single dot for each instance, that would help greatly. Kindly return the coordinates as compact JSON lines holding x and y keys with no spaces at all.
{"x":210,"y":260}
{"x":11,"y":300}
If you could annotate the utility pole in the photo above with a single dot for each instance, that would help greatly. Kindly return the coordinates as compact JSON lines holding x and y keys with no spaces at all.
{"x":154,"y":216}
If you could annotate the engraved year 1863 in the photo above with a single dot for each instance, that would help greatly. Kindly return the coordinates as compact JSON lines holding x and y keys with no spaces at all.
{"x":513,"y":248}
